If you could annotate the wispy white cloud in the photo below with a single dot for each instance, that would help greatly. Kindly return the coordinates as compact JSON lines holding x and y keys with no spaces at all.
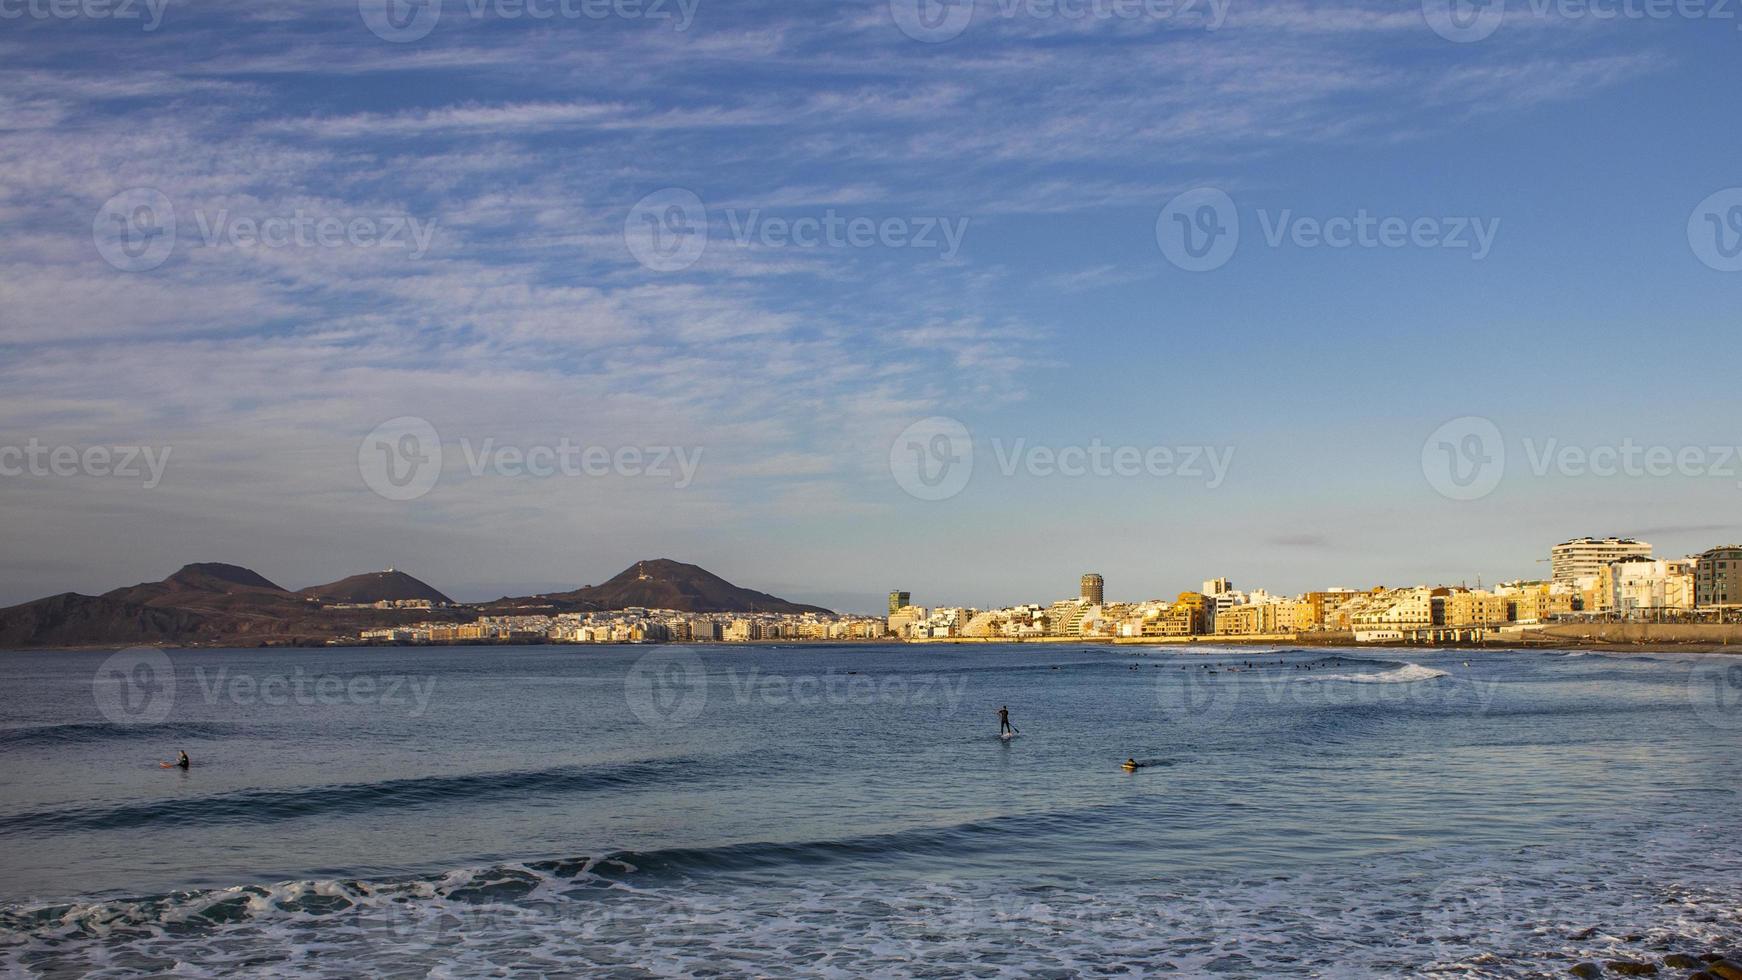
{"x":525,"y":146}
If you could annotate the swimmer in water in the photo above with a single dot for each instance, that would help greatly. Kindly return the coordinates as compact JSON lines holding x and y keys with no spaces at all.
{"x":181,"y":762}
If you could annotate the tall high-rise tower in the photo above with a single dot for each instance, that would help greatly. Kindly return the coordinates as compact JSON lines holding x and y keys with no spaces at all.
{"x":898,"y":601}
{"x":1092,"y":585}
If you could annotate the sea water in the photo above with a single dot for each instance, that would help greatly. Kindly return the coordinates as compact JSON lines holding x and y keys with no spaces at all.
{"x":849,"y":811}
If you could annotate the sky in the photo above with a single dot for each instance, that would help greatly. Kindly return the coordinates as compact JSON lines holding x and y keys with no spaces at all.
{"x":834,"y":298}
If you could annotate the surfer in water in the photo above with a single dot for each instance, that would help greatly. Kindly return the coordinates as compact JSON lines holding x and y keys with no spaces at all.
{"x":181,"y":762}
{"x":1004,"y":721}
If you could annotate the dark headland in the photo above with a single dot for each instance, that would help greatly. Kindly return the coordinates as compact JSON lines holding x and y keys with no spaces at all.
{"x":216,"y":604}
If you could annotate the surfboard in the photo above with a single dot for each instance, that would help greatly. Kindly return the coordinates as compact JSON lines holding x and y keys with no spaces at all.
{"x":1007,"y":736}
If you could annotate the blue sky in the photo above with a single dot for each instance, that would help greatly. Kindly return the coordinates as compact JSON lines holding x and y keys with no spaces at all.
{"x":532,"y":153}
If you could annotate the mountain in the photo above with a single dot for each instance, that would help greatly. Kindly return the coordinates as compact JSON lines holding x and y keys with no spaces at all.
{"x":212,"y":576}
{"x":70,"y":619}
{"x":201,"y":582}
{"x":214,"y":604}
{"x":659,"y":583}
{"x":385,"y":586}
{"x":207,"y":603}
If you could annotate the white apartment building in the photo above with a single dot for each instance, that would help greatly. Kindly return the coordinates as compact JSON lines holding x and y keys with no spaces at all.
{"x":1584,"y":557}
{"x":1639,"y":586}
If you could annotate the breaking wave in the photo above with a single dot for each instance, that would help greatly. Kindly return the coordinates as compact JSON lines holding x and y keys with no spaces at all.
{"x":1396,"y":674}
{"x":1440,"y":915}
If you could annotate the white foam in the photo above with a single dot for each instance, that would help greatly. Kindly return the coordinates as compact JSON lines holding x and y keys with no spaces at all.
{"x":1405,"y":674}
{"x":1438,"y":913}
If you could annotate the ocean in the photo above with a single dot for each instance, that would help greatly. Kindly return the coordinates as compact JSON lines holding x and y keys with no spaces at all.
{"x":851,"y":811}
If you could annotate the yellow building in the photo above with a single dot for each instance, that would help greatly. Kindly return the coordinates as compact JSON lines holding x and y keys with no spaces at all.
{"x":1397,"y":609}
{"x":1197,"y":611}
{"x":1537,"y":603}
{"x":1318,"y":610}
{"x":1463,"y":608}
{"x":1248,"y":619}
{"x":902,"y":620}
{"x":1172,"y":621}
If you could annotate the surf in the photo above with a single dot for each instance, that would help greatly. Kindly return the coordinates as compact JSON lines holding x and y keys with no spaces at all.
{"x":1407,"y":673}
{"x":271,"y":805}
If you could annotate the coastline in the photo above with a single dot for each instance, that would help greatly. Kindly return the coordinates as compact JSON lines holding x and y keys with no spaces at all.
{"x":1599,"y":637}
{"x":1602,"y":637}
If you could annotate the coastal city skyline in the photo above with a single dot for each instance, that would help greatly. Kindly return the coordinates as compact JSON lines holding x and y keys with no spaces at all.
{"x":1299,"y":577}
{"x":1611,"y":579}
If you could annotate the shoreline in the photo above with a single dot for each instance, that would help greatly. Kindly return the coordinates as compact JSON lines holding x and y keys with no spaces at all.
{"x":1184,"y":645}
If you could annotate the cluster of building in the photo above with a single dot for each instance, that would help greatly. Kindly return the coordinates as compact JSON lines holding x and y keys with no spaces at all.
{"x":1609,"y":578}
{"x":636,"y":625}
{"x":387,"y":604}
{"x":1590,"y":578}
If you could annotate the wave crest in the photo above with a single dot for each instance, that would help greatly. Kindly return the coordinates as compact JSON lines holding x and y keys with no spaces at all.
{"x":1402,"y":674}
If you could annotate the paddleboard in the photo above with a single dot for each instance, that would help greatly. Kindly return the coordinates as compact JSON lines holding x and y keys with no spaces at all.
{"x":1007,"y":736}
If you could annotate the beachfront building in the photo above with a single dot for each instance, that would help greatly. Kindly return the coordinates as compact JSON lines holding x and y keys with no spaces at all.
{"x":1093,"y":588}
{"x":1098,"y":622}
{"x":1586,"y":557}
{"x":902,"y":621}
{"x":1222,"y":595}
{"x":983,"y":624}
{"x":1718,"y":578}
{"x":898,"y":601}
{"x":1397,"y":609}
{"x":1255,"y":618}
{"x":1065,"y":618}
{"x":1465,"y":607}
{"x":1190,"y":614}
{"x":1536,"y":602}
{"x":1318,"y":610}
{"x":1636,"y":587}
{"x":944,"y":622}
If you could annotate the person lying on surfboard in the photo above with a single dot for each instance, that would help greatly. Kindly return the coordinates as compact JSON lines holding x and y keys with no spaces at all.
{"x":181,"y":762}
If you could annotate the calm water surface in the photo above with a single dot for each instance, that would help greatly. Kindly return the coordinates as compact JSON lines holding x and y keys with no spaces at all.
{"x":851,"y":811}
